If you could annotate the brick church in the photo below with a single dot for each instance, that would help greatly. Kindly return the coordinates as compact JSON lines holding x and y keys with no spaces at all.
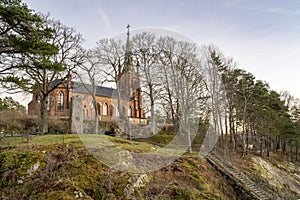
{"x":60,"y":99}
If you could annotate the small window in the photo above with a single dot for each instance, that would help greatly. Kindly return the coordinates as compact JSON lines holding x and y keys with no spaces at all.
{"x":111,"y":110}
{"x":129,"y":111}
{"x":105,"y":109}
{"x":117,"y":111}
{"x":98,"y":107}
{"x":60,"y":101}
{"x":37,"y":98}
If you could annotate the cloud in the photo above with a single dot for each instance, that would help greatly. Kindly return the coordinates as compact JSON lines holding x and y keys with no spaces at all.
{"x":104,"y":18}
{"x":281,"y":11}
{"x":252,"y":6}
{"x":232,"y":4}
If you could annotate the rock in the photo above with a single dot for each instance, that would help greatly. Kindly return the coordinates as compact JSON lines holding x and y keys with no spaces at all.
{"x":109,"y":196}
{"x":125,"y":161}
{"x":278,"y":177}
{"x":139,"y":180}
{"x":128,"y":191}
{"x":78,"y":194}
{"x":33,"y":169}
{"x":20,"y":181}
{"x":136,"y":181}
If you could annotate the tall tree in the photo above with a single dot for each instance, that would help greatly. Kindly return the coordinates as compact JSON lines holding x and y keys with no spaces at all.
{"x":44,"y":70}
{"x":146,"y":53}
{"x":8,"y":103}
{"x":217,"y":67}
{"x":110,"y":53}
{"x":183,"y":85}
{"x":21,"y":34}
{"x":91,"y":76}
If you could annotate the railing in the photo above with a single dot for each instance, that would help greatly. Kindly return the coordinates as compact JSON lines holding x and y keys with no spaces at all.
{"x":239,"y":177}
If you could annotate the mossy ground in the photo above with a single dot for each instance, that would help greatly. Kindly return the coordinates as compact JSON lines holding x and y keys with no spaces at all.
{"x":66,"y":167}
{"x":277,"y":185}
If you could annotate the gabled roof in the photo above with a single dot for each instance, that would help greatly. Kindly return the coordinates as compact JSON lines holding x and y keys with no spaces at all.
{"x":57,"y":82}
{"x":87,"y":89}
{"x":100,"y":91}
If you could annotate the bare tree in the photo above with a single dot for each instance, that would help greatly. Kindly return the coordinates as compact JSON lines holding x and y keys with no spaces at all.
{"x":114,"y":58}
{"x":45,"y":73}
{"x":146,"y":52}
{"x":216,"y":93}
{"x":183,"y":84}
{"x":91,"y":76}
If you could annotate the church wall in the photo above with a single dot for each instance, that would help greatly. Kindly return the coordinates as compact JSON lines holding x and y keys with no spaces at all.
{"x":87,"y":108}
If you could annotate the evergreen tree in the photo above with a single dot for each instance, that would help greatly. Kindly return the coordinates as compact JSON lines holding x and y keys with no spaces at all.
{"x":21,"y":35}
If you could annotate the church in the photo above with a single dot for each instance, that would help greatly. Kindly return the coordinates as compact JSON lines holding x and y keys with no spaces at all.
{"x":125,"y":101}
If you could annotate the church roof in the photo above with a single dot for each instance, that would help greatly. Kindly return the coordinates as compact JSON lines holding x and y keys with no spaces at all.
{"x":87,"y":89}
{"x":100,"y":91}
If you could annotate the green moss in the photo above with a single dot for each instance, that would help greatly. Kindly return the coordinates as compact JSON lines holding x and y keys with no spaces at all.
{"x":21,"y":161}
{"x":161,"y":139}
{"x":37,"y":140}
{"x":57,"y":195}
{"x":15,"y":164}
{"x":190,"y":193}
{"x":72,"y":168}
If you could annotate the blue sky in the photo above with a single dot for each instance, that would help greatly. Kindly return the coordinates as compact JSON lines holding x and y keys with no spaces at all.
{"x":261,"y":35}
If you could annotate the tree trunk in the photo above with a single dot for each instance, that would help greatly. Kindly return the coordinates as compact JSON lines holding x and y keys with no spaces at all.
{"x":277,"y":144}
{"x":226,"y":124}
{"x":283,"y":145}
{"x":96,"y":109}
{"x":247,"y":140}
{"x":230,"y":126}
{"x":296,"y":151}
{"x":292,"y":157}
{"x":244,"y":130}
{"x":44,"y":115}
{"x":190,"y":150}
{"x":152,"y":119}
{"x":261,"y":147}
{"x":226,"y":134}
{"x":268,"y":146}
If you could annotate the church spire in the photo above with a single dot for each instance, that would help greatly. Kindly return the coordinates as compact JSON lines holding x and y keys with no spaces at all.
{"x":128,"y":57}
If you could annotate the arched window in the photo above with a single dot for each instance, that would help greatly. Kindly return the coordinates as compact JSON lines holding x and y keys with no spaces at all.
{"x":111,"y":110}
{"x":117,"y":111}
{"x":60,"y":101}
{"x":37,"y":98}
{"x":98,"y":108}
{"x":129,"y":112}
{"x":105,"y":109}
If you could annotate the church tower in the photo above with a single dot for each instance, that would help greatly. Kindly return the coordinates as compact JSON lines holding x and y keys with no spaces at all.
{"x":130,"y":81}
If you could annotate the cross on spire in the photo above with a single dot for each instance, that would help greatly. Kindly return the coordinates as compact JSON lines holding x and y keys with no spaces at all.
{"x":128,"y":26}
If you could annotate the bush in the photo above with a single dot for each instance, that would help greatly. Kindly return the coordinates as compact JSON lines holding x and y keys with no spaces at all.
{"x":57,"y":125}
{"x":31,"y":124}
{"x":11,"y":121}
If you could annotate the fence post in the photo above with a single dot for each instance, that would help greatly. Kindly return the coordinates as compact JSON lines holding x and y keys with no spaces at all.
{"x":63,"y":139}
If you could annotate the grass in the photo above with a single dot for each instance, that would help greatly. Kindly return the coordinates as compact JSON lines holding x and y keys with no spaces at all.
{"x":69,"y":169}
{"x":88,"y":140}
{"x":38,"y":140}
{"x":103,"y":147}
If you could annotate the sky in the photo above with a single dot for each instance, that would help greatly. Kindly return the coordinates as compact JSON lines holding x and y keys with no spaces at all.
{"x":261,"y":35}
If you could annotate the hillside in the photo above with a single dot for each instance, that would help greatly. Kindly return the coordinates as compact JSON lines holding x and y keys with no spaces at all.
{"x":43,"y":168}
